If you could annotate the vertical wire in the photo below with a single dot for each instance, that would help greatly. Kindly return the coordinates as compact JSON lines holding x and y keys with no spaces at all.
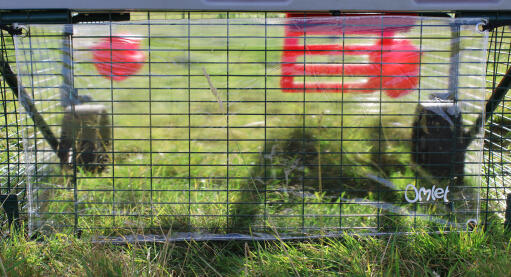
{"x":380,"y":123}
{"x":227,"y":120}
{"x":496,"y":56}
{"x":265,"y":176}
{"x":114,"y":225}
{"x":3,"y":91}
{"x":46,"y":102}
{"x":33,"y":173}
{"x":17,"y":138}
{"x":454,"y":64}
{"x":494,"y":154}
{"x":24,"y":149}
{"x":341,"y":172}
{"x":40,"y":92}
{"x":20,"y":171}
{"x":189,"y":128}
{"x":490,"y":170}
{"x":74,"y":180}
{"x":302,"y":148}
{"x":419,"y":91}
{"x":150,"y":117}
{"x":487,"y":152}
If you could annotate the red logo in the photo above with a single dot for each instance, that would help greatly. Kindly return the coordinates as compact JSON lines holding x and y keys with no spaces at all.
{"x":392,"y":67}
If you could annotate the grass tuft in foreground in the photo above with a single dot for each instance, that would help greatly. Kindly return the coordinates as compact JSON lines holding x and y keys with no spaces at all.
{"x":452,"y":254}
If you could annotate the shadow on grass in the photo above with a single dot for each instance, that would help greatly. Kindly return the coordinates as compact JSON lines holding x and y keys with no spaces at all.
{"x":298,"y":166}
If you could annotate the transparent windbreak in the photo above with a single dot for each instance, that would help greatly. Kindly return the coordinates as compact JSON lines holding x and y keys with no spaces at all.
{"x":255,"y":125}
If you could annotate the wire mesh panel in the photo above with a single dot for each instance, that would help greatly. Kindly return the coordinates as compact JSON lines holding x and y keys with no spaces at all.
{"x":257,"y":123}
{"x":40,"y":82}
{"x":12,"y":174}
{"x":497,"y":134}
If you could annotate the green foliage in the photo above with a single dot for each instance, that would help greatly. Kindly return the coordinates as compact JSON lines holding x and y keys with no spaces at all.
{"x":476,"y":253}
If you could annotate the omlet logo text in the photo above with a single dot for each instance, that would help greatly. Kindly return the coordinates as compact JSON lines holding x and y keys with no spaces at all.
{"x":433,"y":193}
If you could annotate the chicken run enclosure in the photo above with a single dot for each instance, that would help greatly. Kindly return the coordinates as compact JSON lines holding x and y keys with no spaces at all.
{"x":248,"y":124}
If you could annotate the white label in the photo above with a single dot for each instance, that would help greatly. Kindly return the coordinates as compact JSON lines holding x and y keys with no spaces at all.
{"x":423,"y":194}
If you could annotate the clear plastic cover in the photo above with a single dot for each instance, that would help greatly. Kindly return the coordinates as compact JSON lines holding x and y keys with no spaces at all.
{"x":270,"y":124}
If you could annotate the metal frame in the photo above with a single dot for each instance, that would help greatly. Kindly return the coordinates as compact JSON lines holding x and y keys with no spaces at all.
{"x":487,"y":207}
{"x":268,"y":5}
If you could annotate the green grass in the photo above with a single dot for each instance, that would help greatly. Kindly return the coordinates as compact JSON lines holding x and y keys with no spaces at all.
{"x":451,"y":254}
